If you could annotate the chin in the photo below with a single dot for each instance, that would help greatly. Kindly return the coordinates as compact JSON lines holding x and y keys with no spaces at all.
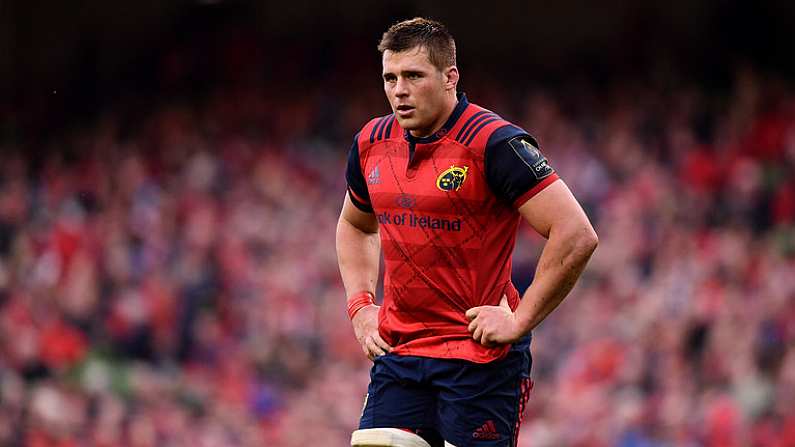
{"x":413,"y":124}
{"x":406,"y":124}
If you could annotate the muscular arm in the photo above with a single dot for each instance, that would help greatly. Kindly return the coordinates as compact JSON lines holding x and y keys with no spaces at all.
{"x":555,"y":214}
{"x":358,"y":251}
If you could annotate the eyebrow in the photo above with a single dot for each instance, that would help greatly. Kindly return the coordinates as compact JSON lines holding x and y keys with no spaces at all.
{"x":405,"y":72}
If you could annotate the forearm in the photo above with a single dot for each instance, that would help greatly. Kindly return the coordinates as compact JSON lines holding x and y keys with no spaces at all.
{"x":358,"y":251}
{"x":358,"y":256}
{"x":562,"y":261}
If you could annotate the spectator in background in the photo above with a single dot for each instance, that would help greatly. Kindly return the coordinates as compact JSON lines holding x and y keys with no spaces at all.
{"x":149,"y":286}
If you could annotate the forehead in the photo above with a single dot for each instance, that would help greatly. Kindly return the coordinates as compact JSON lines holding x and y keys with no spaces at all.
{"x":416,"y":58}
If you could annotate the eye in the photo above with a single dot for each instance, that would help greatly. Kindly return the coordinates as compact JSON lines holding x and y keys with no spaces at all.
{"x":414,"y":76}
{"x":390,"y":78}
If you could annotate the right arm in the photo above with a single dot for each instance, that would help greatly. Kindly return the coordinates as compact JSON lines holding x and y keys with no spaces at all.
{"x":358,"y":249}
{"x":358,"y":252}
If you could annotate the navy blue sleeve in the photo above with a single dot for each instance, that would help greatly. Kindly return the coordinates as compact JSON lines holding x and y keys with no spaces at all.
{"x":515,"y":167}
{"x":357,"y":185}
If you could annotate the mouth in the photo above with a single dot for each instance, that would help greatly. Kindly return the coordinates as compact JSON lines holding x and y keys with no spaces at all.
{"x":404,"y":110}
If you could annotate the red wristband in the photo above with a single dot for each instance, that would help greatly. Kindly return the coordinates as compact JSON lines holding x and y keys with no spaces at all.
{"x":359,"y":300}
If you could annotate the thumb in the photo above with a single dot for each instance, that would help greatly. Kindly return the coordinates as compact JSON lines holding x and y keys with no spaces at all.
{"x":504,"y":303}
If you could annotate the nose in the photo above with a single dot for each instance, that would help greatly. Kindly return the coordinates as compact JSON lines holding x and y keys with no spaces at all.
{"x":401,"y":88}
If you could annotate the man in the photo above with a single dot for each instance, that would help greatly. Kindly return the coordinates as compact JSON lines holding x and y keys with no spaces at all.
{"x":440,"y":186}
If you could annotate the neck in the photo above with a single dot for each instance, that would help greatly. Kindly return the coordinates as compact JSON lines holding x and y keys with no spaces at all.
{"x":449,"y":105}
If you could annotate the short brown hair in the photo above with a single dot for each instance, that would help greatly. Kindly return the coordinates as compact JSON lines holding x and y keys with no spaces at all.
{"x":421,"y":32}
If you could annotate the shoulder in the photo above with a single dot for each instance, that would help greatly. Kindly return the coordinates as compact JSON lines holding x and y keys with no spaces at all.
{"x":515,"y":167}
{"x":479,"y":128}
{"x":380,"y":128}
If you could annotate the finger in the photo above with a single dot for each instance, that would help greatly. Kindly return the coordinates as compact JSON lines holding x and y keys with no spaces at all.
{"x":381,"y":343}
{"x":374,"y":348}
{"x":473,"y":312}
{"x":477,"y":334}
{"x":504,"y":302}
{"x":472,"y":326}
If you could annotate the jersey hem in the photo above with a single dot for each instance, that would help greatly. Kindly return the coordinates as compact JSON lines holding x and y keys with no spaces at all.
{"x":435,"y":354}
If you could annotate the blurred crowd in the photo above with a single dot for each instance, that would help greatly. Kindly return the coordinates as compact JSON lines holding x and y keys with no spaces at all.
{"x":173,"y":281}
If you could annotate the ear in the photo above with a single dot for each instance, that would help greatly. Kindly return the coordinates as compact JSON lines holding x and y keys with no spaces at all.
{"x":451,"y":77}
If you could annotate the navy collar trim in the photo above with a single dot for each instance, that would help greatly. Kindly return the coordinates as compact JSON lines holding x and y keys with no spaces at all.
{"x":457,"y":111}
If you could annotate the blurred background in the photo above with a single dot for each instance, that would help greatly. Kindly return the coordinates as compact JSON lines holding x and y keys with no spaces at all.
{"x":171,"y":174}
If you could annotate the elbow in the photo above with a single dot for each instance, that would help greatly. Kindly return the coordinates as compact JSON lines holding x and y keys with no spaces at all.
{"x":580,"y":241}
{"x":587,"y":241}
{"x":583,"y":241}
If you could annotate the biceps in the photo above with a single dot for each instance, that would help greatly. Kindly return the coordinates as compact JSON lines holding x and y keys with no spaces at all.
{"x":365,"y":222}
{"x":554,"y":206}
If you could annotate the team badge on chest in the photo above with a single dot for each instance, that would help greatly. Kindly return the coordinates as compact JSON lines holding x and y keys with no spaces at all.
{"x":452,"y":179}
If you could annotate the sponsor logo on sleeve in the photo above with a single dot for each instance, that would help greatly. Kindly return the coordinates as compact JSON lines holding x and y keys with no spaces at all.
{"x":532,"y":157}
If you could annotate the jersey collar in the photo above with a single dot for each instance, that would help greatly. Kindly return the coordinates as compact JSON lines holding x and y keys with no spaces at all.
{"x":457,"y":111}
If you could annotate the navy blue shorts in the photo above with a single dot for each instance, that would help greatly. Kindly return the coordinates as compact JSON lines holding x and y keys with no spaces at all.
{"x":465,"y":403}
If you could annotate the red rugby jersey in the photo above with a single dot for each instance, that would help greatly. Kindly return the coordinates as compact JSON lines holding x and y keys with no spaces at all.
{"x":446,"y":207}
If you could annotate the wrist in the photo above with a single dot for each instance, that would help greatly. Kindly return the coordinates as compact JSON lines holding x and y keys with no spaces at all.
{"x":523,"y":322}
{"x":358,"y":301}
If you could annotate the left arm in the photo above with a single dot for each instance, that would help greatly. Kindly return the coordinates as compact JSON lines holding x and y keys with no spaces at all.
{"x":555,"y":214}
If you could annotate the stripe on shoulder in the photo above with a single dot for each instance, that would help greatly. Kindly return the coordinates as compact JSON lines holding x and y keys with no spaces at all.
{"x":475,"y":119}
{"x":382,"y":128}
